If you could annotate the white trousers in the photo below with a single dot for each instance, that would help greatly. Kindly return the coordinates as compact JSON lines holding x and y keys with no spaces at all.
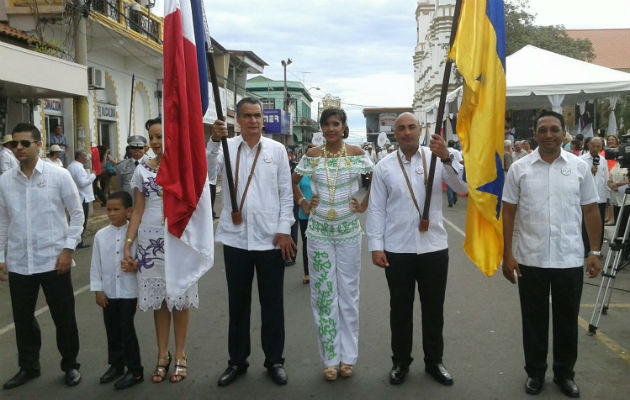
{"x":334,"y":271}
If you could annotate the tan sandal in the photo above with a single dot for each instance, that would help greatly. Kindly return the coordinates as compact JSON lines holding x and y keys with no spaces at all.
{"x":161,"y":369}
{"x":330,"y":373}
{"x":346,"y":370}
{"x":180,"y":372}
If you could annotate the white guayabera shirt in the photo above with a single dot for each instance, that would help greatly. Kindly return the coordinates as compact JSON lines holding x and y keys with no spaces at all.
{"x":33,"y":224}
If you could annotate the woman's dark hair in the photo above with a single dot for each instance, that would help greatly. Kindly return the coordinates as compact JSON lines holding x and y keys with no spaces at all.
{"x":152,"y":122}
{"x":337,"y":112}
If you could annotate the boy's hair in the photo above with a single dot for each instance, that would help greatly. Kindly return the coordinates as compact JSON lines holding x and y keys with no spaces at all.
{"x":124,"y":197}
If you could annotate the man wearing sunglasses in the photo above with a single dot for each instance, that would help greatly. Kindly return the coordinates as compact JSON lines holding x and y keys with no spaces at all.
{"x":39,"y":245}
{"x":125,"y":169}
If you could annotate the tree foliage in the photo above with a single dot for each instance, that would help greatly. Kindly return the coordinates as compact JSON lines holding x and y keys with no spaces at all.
{"x":521,"y":31}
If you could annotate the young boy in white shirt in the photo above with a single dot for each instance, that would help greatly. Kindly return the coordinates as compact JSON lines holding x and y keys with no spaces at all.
{"x":116,"y":289}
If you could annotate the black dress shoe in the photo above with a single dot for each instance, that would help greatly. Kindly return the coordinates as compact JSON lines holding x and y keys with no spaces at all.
{"x":23,"y":376}
{"x":439,"y":373}
{"x":533,"y":384}
{"x":73,"y":377}
{"x":397,"y":374}
{"x":111,"y":374}
{"x":567,"y":386}
{"x":278,"y":374}
{"x":231,"y":373}
{"x":128,"y":381}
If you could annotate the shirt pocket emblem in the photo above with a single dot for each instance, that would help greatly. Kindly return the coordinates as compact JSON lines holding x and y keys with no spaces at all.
{"x":566,"y":171}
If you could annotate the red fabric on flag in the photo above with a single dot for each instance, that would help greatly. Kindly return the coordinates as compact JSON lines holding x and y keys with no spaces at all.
{"x":183,"y":170}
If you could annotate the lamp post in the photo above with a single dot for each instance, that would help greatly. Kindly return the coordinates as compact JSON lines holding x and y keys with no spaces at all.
{"x":284,"y":66}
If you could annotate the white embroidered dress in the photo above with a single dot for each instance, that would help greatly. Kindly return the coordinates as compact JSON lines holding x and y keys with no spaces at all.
{"x":150,"y":253}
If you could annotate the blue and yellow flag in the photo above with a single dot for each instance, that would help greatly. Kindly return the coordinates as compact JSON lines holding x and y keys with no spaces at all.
{"x":479,"y":52}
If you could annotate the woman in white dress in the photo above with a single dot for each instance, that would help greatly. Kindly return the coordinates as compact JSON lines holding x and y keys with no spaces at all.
{"x":334,"y":241}
{"x":147,"y":223}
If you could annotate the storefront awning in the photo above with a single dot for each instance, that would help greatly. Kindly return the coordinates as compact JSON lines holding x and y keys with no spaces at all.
{"x":27,"y":74}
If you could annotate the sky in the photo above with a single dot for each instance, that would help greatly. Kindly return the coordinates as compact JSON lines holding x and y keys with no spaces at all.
{"x":360,"y":50}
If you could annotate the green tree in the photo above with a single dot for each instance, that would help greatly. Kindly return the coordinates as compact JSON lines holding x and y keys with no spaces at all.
{"x":521,"y":31}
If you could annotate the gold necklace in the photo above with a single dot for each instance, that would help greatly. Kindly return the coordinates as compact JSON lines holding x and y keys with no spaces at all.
{"x":332,"y":214}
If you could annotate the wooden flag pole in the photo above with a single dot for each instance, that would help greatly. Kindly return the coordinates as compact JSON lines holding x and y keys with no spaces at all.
{"x":424,"y":224}
{"x":224,"y":144}
{"x":133,"y":82}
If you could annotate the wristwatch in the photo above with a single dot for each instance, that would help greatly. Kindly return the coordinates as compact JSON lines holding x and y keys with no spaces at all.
{"x":595,"y":253}
{"x":448,"y":159}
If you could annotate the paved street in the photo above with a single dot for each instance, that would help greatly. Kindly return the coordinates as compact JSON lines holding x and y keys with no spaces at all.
{"x":482,"y":333}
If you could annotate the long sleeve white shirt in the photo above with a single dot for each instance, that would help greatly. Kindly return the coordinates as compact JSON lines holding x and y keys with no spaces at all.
{"x":268,"y":208}
{"x":549,"y":213}
{"x":33,"y":224}
{"x":392,"y":219}
{"x":106,"y":274}
{"x":600,"y":177}
{"x":7,"y":160}
{"x":83,"y":180}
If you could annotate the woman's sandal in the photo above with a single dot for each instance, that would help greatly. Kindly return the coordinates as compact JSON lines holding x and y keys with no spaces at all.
{"x":330,"y":373}
{"x":346,"y":370}
{"x":180,"y":372}
{"x":159,"y":374}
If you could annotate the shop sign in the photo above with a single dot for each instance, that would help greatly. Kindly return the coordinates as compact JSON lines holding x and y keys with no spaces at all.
{"x":53,"y":107}
{"x":106,"y":112}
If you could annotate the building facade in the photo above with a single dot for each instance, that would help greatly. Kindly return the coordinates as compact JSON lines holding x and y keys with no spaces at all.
{"x":271,"y":93}
{"x":434,"y":19}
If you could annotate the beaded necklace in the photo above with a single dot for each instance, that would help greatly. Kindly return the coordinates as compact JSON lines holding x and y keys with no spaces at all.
{"x":332,"y":214}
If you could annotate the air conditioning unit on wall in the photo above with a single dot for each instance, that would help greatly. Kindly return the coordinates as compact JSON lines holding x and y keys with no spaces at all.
{"x":96,"y":78}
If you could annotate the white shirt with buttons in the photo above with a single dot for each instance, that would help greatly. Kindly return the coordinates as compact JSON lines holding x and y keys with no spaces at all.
{"x":106,"y":274}
{"x":268,"y":208}
{"x":33,"y":224}
{"x":549,"y":213}
{"x":601,"y":176}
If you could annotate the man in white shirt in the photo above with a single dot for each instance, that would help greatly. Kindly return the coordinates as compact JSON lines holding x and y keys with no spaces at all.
{"x":550,"y":189}
{"x":7,"y":158}
{"x":451,"y":196}
{"x":518,"y":152}
{"x":599,"y":170}
{"x":408,"y":254}
{"x":39,"y":244}
{"x":83,"y":180}
{"x":260,"y":241}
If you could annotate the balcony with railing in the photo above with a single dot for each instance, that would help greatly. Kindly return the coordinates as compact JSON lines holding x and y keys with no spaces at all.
{"x":131,"y":15}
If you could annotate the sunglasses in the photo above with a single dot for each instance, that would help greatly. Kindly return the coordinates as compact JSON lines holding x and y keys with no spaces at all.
{"x":136,"y":148}
{"x":25,"y":143}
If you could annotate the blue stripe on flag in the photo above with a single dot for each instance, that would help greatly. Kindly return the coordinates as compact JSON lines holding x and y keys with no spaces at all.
{"x":200,"y":43}
{"x":495,"y":13}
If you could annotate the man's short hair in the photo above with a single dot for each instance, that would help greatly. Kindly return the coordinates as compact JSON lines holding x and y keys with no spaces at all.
{"x":124,"y":197}
{"x":28,"y":127}
{"x":550,"y":114}
{"x":507,"y":143}
{"x":247,"y":100}
{"x":78,"y":154}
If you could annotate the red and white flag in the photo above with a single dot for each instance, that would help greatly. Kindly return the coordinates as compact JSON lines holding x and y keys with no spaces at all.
{"x":188,"y":236}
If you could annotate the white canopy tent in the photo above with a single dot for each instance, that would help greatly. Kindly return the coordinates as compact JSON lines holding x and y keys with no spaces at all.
{"x":537,"y":78}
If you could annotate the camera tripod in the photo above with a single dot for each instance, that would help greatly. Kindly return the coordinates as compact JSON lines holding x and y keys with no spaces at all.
{"x":614,"y":263}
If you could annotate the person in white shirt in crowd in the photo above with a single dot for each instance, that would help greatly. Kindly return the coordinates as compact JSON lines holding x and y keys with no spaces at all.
{"x":526,"y":146}
{"x":372,"y":154}
{"x":115,"y":287}
{"x":457,"y":158}
{"x":411,"y":256}
{"x":518,"y":152}
{"x":546,"y":194}
{"x":507,"y":155}
{"x":54,"y":155}
{"x":83,"y":179}
{"x":256,"y":238}
{"x":7,"y":158}
{"x":599,"y":170}
{"x":39,"y":243}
